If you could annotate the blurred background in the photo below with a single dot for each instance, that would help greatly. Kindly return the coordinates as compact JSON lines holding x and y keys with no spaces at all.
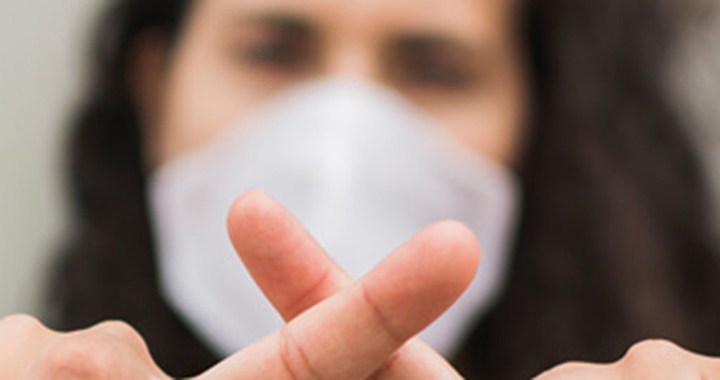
{"x":42,"y":44}
{"x":41,"y":73}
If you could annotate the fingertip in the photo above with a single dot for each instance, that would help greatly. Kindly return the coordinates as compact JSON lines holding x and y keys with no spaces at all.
{"x":253,"y":214}
{"x":249,"y":203}
{"x":456,"y":247}
{"x":425,"y":276}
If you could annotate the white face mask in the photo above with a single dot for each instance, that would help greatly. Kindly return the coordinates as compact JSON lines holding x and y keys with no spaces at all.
{"x":360,"y":168}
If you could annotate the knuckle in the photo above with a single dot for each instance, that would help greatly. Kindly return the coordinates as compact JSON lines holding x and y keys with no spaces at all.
{"x":650,"y":352}
{"x":569,"y":367}
{"x":569,"y":370}
{"x":120,"y":330}
{"x":384,"y":371}
{"x":383,"y":323}
{"x":21,"y":324}
{"x":79,"y":357}
{"x":293,"y":357}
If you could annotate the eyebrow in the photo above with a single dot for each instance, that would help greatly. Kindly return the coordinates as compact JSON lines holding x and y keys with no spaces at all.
{"x":435,"y":40}
{"x":286,"y":22}
{"x":292,"y":23}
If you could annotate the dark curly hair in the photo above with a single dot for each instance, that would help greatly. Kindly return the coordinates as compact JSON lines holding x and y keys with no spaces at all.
{"x":614,"y":244}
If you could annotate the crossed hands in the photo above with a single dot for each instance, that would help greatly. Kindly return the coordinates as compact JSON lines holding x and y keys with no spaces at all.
{"x":337,"y":328}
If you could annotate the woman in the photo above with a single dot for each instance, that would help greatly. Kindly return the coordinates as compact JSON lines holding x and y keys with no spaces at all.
{"x":612,"y":245}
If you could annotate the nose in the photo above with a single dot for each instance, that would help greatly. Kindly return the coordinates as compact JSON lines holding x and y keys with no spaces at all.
{"x":355,"y":61}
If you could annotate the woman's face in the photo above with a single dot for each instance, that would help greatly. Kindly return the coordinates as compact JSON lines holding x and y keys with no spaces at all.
{"x":459,"y":61}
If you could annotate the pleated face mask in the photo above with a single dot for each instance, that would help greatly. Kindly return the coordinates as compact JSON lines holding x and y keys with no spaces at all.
{"x":361,"y":168}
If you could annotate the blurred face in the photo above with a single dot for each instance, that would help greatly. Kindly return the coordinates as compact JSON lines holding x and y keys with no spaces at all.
{"x":458,"y":60}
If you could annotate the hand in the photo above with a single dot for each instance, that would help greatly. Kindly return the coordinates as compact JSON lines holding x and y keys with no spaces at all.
{"x":110,"y":350}
{"x":337,"y":329}
{"x":652,"y":359}
{"x":400,"y":297}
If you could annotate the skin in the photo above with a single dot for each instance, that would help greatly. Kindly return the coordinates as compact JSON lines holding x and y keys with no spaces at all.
{"x":337,"y":328}
{"x":459,"y":61}
{"x":650,"y":359}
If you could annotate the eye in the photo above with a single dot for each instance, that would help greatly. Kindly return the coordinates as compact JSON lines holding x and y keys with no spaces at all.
{"x":277,"y":51}
{"x":274,"y":53}
{"x":434,"y":71}
{"x":433,"y":67}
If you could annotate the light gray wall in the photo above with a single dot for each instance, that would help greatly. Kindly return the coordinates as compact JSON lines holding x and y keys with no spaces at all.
{"x":41,"y":68}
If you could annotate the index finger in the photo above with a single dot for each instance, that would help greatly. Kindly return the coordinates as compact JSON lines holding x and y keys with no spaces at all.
{"x":290,"y":267}
{"x":352,"y":333}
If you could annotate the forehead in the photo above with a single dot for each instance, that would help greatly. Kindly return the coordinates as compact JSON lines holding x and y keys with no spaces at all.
{"x":471,"y":19}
